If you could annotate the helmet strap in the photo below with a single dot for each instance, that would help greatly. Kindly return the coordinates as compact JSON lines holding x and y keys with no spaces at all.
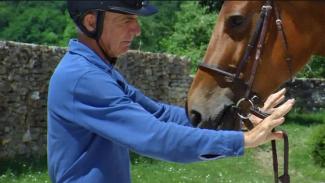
{"x":96,"y":34}
{"x":111,"y":60}
{"x":99,"y":31}
{"x":92,"y":34}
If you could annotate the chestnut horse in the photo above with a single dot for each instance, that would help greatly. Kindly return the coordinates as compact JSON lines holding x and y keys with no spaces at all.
{"x":279,"y":55}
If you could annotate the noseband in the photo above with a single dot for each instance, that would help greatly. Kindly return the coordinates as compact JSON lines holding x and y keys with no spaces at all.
{"x":248,"y":104}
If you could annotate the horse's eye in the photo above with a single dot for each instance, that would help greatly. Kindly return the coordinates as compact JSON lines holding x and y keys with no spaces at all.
{"x":236,"y":21}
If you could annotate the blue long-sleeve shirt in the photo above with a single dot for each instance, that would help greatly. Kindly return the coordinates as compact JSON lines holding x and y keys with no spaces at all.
{"x":95,"y":117}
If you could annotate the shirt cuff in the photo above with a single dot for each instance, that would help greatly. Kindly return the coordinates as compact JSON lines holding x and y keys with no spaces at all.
{"x":232,"y":144}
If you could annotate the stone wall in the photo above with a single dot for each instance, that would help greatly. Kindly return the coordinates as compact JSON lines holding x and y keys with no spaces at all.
{"x":309,"y":94}
{"x":24,"y":73}
{"x":25,"y":70}
{"x":160,"y":76}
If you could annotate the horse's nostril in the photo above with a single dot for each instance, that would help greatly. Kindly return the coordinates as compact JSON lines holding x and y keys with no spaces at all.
{"x":195,"y":118}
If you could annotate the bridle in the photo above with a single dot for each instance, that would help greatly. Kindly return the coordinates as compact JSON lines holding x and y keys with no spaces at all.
{"x":248,"y":104}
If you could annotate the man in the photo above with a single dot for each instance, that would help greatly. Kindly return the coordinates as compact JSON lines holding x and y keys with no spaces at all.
{"x":95,"y":117}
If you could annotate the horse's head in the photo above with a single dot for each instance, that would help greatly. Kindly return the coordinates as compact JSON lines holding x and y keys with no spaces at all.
{"x":221,"y":82}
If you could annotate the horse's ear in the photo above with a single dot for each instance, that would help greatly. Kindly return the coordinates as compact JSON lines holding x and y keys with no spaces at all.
{"x":211,"y":5}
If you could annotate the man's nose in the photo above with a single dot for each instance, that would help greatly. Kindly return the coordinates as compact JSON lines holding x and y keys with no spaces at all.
{"x":136,"y":29}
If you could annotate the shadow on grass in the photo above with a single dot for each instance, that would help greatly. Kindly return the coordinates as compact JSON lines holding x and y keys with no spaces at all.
{"x":306,"y":118}
{"x":139,"y":159}
{"x":22,"y":164}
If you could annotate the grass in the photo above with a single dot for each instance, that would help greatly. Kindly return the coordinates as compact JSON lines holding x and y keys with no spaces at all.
{"x":24,"y":170}
{"x":254,"y":166}
{"x":225,"y":170}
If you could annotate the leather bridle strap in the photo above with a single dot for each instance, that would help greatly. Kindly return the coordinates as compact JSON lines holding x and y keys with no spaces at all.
{"x":283,"y":37}
{"x":251,"y":45}
{"x":285,"y":178}
{"x":266,"y":10}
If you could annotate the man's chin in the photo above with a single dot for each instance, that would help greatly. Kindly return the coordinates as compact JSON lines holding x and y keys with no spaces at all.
{"x":124,"y":49}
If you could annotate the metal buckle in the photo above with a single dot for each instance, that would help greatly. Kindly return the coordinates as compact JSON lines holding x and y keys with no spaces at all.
{"x":239,"y":111}
{"x":267,"y":7}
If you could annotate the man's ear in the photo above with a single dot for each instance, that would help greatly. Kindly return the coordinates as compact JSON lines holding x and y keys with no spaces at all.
{"x":89,"y":21}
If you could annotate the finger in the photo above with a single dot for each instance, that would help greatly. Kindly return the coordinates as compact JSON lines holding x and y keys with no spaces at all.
{"x":276,"y":135}
{"x":274,"y":99}
{"x":278,"y":101}
{"x":255,"y":120}
{"x":275,"y":95}
{"x":276,"y":122}
{"x":282,"y":109}
{"x":272,"y":106}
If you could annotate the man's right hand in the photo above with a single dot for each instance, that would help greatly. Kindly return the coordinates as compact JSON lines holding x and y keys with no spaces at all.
{"x":262,"y":133}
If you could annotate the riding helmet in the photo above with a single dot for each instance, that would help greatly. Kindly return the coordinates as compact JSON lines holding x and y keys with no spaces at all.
{"x":77,"y":9}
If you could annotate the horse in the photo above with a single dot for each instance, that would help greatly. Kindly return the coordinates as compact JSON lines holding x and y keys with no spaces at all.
{"x":255,"y":47}
{"x":250,"y":55}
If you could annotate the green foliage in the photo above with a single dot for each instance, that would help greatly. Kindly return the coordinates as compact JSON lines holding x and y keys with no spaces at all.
{"x":192,"y":31}
{"x":156,"y":27}
{"x":40,"y":22}
{"x":5,"y":10}
{"x":318,"y":145}
{"x":315,"y":68}
{"x":211,"y":5}
{"x":70,"y":31}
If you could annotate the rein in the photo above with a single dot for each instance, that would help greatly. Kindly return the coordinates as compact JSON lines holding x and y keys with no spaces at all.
{"x":248,"y":104}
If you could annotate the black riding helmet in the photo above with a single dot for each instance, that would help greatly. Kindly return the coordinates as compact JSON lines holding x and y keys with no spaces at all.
{"x":78,"y":9}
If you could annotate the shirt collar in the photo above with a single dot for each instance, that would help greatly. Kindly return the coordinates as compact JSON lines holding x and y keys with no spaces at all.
{"x":83,"y":50}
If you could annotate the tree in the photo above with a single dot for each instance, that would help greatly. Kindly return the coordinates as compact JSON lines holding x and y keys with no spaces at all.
{"x":315,"y":68}
{"x":192,"y":31}
{"x":38,"y":22}
{"x":212,"y":6}
{"x":156,"y":27}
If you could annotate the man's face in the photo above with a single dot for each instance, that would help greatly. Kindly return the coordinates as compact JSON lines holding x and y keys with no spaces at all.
{"x":118,"y":32}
